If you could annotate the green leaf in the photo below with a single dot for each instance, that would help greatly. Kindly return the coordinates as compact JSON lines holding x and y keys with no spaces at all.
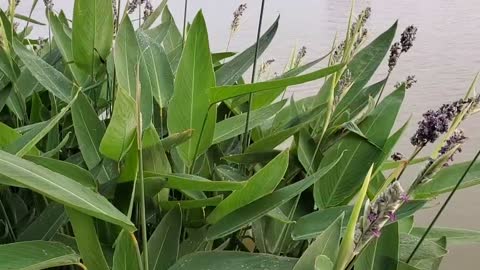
{"x":217,"y":57}
{"x":365,"y":62}
{"x":345,"y":254}
{"x":255,"y":157}
{"x":163,"y":245}
{"x":27,"y":19}
{"x":89,"y":130}
{"x":262,"y":183}
{"x":36,"y":255}
{"x":428,"y":249}
{"x":326,"y":244}
{"x":126,"y":54}
{"x":233,"y":70}
{"x":92,"y":33}
{"x":46,"y":225}
{"x":67,"y":169}
{"x":315,"y":223}
{"x":193,"y":182}
{"x":87,"y":241}
{"x":156,"y":160}
{"x":126,"y":253}
{"x":233,"y":260}
{"x":341,"y":184}
{"x":9,"y":135}
{"x":322,"y":262}
{"x":176,"y":139}
{"x":381,"y":253}
{"x":255,"y":210}
{"x":221,"y":93}
{"x":446,"y":179}
{"x":61,"y":189}
{"x":190,"y":204}
{"x":28,"y":141}
{"x":454,"y":236}
{"x":173,"y":41}
{"x":155,"y":73}
{"x":189,"y":107}
{"x":235,"y":125}
{"x":64,"y":44}
{"x":46,"y":75}
{"x":121,"y":131}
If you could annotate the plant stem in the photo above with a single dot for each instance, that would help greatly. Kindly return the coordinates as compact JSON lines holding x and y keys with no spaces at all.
{"x":246,"y":136}
{"x":184,"y":22}
{"x":432,"y":223}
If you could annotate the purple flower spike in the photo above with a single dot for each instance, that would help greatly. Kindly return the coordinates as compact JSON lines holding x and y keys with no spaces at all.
{"x":376,"y":233}
{"x":372,"y":217}
{"x":404,"y":197}
{"x":392,"y":216}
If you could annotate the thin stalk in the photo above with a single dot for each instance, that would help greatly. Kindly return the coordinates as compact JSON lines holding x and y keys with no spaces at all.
{"x":246,"y":136}
{"x":184,"y":22}
{"x":143,"y":219}
{"x":383,"y":88}
{"x":442,"y":208}
{"x":7,"y":220}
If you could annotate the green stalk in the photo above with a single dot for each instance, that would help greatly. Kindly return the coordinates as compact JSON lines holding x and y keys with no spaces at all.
{"x":184,"y":22}
{"x":432,"y":223}
{"x":143,"y":219}
{"x":246,"y":135}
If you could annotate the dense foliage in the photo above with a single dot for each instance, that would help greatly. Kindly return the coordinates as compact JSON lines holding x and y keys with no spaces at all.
{"x":130,"y":147}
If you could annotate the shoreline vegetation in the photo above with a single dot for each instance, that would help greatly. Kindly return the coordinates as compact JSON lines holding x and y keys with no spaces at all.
{"x":129,"y":145}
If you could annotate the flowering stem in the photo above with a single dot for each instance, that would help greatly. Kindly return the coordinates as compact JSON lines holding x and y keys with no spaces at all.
{"x":432,"y":223}
{"x":246,"y":135}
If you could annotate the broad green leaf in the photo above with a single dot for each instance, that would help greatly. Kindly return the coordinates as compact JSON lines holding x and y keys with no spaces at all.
{"x":155,"y":160}
{"x":322,"y":262}
{"x":355,"y":101}
{"x":404,"y":266}
{"x":189,"y":107}
{"x":428,"y":249}
{"x":89,"y":130}
{"x":154,"y":15}
{"x":61,"y":189}
{"x":33,"y":255}
{"x":46,"y":75}
{"x":381,"y":253}
{"x":126,"y":253}
{"x":173,"y":41}
{"x":364,"y":64}
{"x":345,"y":254}
{"x":120,"y":133}
{"x":28,"y":141}
{"x":126,"y":54}
{"x":326,"y":244}
{"x":176,"y":139}
{"x":67,"y":169}
{"x":46,"y":225}
{"x":190,"y":204}
{"x":58,"y":148}
{"x":158,"y":33}
{"x":342,"y":183}
{"x":155,"y":73}
{"x":163,"y":245}
{"x":446,"y":179}
{"x":235,"y":125}
{"x":255,"y":210}
{"x":306,"y":151}
{"x":233,"y":260}
{"x":92,"y":33}
{"x":254,"y":157}
{"x":454,"y":236}
{"x":193,"y":182}
{"x":87,"y":241}
{"x":432,"y":264}
{"x":221,"y":93}
{"x":64,"y":44}
{"x":315,"y":223}
{"x":217,"y":57}
{"x":9,"y":135}
{"x":262,"y":183}
{"x":234,"y":69}
{"x":405,"y":225}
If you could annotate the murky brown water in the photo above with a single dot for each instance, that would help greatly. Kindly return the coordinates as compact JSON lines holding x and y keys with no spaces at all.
{"x":444,"y":59}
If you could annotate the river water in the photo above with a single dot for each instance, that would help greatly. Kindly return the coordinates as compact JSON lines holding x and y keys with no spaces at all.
{"x":445,"y":58}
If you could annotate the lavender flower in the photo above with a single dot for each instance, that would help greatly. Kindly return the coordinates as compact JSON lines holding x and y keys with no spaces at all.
{"x":395,"y":52}
{"x":48,"y":4}
{"x":409,"y":82}
{"x":300,"y":55}
{"x":343,"y":83}
{"x":338,"y":53}
{"x":437,"y":122}
{"x":407,"y":38}
{"x":397,"y":156}
{"x":237,"y":15}
{"x":264,"y":67}
{"x":378,"y":214}
{"x":132,"y":6}
{"x":457,"y":138}
{"x":148,"y":10}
